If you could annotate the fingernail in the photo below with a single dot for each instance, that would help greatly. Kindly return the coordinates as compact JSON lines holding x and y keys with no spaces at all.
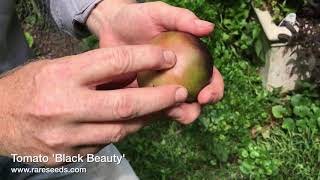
{"x":170,"y":58}
{"x":181,"y":95}
{"x":203,"y":24}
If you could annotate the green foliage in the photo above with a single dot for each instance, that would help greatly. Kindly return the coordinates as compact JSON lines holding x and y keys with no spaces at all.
{"x":256,"y":162}
{"x":29,"y":39}
{"x":279,"y":8}
{"x":31,"y":12}
{"x":305,"y":116}
{"x":289,"y":124}
{"x":298,"y":136}
{"x":90,"y":42}
{"x":279,"y":111}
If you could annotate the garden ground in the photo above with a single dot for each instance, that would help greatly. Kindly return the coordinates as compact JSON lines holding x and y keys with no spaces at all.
{"x":250,"y":133}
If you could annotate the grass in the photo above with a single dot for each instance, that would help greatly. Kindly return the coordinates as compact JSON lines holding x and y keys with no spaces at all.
{"x":239,"y":137}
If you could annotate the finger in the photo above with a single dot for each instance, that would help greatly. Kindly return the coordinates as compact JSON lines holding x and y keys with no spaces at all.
{"x":135,"y":125}
{"x":104,"y":133}
{"x":185,"y":113}
{"x":175,"y":18}
{"x":125,"y":104}
{"x":99,"y":66}
{"x":214,"y":91}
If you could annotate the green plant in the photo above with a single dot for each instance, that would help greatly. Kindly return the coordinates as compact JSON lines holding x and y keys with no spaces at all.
{"x":256,"y":161}
{"x":29,"y":39}
{"x":279,"y":8}
{"x":90,"y":42}
{"x":307,"y":64}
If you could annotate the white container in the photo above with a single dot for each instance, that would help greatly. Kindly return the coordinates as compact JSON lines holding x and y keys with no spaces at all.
{"x":277,"y":71}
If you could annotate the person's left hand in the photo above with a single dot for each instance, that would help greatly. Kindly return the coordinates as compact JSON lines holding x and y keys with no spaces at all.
{"x":125,"y":22}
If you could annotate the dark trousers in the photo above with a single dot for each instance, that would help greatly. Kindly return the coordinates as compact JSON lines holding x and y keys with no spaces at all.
{"x":14,"y":50}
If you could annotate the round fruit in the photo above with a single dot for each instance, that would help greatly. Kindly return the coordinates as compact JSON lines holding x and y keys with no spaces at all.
{"x":193,"y":69}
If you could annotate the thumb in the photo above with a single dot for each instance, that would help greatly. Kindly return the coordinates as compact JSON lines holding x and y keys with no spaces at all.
{"x":180,"y":19}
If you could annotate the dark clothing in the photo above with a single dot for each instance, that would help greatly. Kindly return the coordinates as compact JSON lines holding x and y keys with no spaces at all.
{"x":14,"y":50}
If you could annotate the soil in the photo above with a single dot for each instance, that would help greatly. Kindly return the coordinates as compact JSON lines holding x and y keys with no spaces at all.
{"x":50,"y":43}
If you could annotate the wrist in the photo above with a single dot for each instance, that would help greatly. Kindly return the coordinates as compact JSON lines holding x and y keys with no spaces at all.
{"x":14,"y":86}
{"x":5,"y":117}
{"x":100,"y":16}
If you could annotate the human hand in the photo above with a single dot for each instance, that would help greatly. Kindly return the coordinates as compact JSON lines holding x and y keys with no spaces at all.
{"x":49,"y":107}
{"x":125,"y":22}
{"x":119,"y":22}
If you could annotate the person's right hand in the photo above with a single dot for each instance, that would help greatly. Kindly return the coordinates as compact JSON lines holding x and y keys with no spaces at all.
{"x":50,"y":107}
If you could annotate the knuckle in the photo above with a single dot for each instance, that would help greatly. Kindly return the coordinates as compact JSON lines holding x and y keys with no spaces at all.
{"x":157,"y":59}
{"x":118,"y":133}
{"x":186,"y":12}
{"x":44,"y":108}
{"x":53,"y":139}
{"x":39,"y":110}
{"x":39,"y":107}
{"x":125,"y":108}
{"x":121,"y":60}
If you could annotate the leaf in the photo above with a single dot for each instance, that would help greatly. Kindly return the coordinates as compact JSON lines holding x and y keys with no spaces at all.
{"x":312,"y":124}
{"x":316,"y":110}
{"x":29,"y":39}
{"x":288,"y":124}
{"x":244,"y":153}
{"x":302,"y":125}
{"x":298,"y":100}
{"x":225,"y":37}
{"x":302,"y":111}
{"x":246,"y":167}
{"x":279,"y":111}
{"x":227,"y":22}
{"x":254,"y":154}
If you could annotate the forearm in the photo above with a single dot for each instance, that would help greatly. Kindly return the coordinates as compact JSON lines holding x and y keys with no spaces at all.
{"x":6,"y":114}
